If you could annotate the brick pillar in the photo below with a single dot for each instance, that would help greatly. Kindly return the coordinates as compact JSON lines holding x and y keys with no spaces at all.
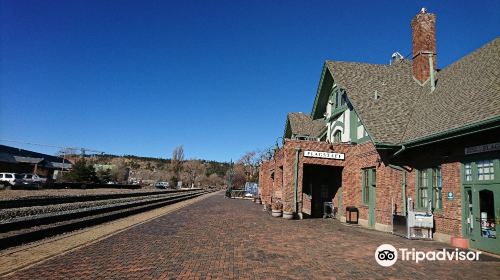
{"x":423,"y":28}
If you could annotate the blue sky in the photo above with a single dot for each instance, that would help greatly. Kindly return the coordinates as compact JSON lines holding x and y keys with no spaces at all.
{"x":141,"y":77}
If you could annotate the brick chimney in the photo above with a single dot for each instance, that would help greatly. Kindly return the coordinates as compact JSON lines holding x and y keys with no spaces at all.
{"x":423,"y":26}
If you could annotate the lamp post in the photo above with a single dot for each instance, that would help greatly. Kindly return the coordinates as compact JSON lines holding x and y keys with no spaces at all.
{"x":230,"y":180}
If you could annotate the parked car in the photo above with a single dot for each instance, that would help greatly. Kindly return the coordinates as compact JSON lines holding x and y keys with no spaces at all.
{"x":30,"y":178}
{"x":10,"y":179}
{"x":162,"y":185}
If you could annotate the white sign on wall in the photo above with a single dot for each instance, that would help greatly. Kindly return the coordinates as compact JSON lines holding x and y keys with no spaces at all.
{"x":482,"y":148}
{"x":317,"y":154}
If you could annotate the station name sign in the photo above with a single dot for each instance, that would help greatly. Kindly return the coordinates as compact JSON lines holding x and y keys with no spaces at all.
{"x":316,"y":154}
{"x":482,"y":148}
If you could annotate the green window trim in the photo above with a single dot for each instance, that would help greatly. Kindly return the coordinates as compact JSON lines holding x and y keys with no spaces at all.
{"x":336,"y":112}
{"x":368,"y":179}
{"x":364,"y":186}
{"x":470,"y":171}
{"x":429,"y":189}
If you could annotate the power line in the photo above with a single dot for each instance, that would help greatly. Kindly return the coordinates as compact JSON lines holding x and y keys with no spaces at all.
{"x":51,"y":146}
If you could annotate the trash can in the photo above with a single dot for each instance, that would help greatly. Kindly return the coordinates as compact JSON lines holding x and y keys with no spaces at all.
{"x":352,"y":215}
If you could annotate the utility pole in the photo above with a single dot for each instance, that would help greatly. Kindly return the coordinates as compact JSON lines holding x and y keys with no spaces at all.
{"x":230,"y":180}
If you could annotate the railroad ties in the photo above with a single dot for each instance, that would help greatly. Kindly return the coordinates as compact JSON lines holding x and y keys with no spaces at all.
{"x":30,"y":219}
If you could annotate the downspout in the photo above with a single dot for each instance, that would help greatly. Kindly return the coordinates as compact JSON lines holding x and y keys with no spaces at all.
{"x":403,"y":207}
{"x":403,"y":147}
{"x":403,"y":186}
{"x":296,"y":185}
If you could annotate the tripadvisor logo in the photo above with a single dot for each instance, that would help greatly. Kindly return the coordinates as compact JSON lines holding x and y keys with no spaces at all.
{"x":387,"y":255}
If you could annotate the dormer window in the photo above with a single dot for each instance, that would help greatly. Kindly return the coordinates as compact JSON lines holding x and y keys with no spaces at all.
{"x":337,"y":98}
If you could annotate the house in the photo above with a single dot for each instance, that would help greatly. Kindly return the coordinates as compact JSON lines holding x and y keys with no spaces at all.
{"x":23,"y":161}
{"x":381,"y":138}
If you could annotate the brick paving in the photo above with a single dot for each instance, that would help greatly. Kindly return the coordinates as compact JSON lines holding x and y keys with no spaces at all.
{"x":234,"y":239}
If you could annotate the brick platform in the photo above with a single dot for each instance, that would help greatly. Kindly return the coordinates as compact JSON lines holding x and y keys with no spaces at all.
{"x":235,"y":239}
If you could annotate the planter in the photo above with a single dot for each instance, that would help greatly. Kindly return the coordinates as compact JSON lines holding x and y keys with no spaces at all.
{"x":460,"y":242}
{"x":276,"y":213}
{"x":288,"y":215}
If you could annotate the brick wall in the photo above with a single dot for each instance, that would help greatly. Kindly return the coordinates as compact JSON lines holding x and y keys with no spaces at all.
{"x":389,"y":189}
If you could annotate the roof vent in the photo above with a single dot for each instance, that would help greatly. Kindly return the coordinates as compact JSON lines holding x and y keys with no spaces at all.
{"x":376,"y":96}
{"x":395,"y":57}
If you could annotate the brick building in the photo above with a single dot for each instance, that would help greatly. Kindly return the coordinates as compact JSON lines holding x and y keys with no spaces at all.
{"x":382,"y":136}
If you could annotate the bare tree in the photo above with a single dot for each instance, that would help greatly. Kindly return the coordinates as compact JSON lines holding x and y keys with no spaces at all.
{"x":65,"y":152}
{"x":249,"y":162}
{"x":176,"y":163}
{"x":194,"y":171}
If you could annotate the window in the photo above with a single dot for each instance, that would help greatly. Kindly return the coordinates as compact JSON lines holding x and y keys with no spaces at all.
{"x":422,"y":188}
{"x":366,"y":186}
{"x":436,"y":188}
{"x":337,"y":136}
{"x":485,"y":170}
{"x":429,"y":188}
{"x":8,"y":176}
{"x":468,"y":172}
{"x":369,"y":179}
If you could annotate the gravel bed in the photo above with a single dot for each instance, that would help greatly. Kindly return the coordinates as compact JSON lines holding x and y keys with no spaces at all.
{"x":24,"y":212}
{"x":17,"y":194}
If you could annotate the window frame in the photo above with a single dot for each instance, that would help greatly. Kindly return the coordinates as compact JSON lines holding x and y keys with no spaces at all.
{"x":368,"y":179}
{"x":433,"y":189}
{"x":437,"y":188}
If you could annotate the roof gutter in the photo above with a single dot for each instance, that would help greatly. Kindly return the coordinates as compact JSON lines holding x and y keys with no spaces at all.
{"x":455,"y":133}
{"x":446,"y":135}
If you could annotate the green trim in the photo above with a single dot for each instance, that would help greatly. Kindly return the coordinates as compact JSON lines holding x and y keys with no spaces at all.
{"x":336,"y":112}
{"x":296,"y":185}
{"x":324,"y":87}
{"x":429,"y":190}
{"x":353,"y":129}
{"x":361,"y":122}
{"x":382,"y":145}
{"x":403,"y":185}
{"x":335,"y":124}
{"x":447,"y":134}
{"x":288,"y":129}
{"x":476,"y":127}
{"x":473,"y":159}
{"x":363,"y":188}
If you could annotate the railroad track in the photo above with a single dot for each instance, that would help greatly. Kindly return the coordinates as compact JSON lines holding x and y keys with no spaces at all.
{"x":63,"y":214}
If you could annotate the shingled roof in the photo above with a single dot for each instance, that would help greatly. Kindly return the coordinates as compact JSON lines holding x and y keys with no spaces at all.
{"x":302,"y":124}
{"x":467,"y":92}
{"x":384,"y":118}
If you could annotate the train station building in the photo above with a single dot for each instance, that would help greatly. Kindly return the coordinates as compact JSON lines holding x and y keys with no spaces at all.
{"x":406,"y":136}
